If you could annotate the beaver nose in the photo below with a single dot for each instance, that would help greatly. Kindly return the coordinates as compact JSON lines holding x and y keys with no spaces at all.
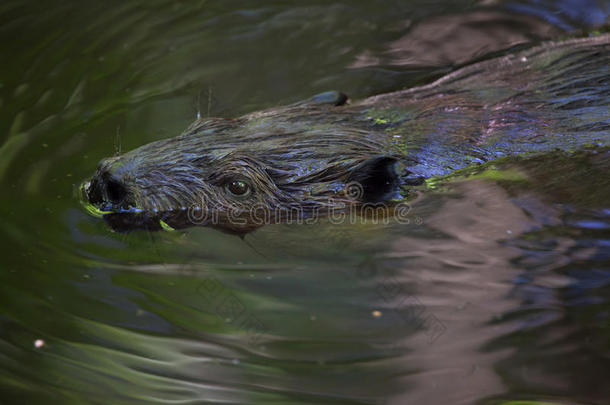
{"x":105,"y":188}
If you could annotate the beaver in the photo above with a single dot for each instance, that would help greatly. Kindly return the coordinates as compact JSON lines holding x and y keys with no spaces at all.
{"x":326,"y":153}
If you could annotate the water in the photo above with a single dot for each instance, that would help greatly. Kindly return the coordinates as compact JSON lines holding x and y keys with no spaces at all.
{"x":496,"y":291}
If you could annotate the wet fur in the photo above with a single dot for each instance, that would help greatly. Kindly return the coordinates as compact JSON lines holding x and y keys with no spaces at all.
{"x":304,"y":155}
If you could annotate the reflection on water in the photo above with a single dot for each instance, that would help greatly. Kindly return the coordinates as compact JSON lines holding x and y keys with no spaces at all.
{"x":460,"y":38}
{"x":496,"y":291}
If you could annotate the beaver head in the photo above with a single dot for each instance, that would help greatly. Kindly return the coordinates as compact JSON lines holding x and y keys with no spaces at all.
{"x":288,"y":163}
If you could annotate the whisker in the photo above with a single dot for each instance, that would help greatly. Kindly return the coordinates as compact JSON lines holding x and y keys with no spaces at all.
{"x":153,"y":243}
{"x":251,"y":246}
{"x":209,"y":100}
{"x":117,"y":141}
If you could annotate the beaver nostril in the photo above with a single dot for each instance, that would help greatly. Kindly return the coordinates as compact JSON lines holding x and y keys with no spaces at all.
{"x":115,"y":191}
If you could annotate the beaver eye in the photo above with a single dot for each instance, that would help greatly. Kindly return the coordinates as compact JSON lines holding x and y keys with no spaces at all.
{"x":238,"y":188}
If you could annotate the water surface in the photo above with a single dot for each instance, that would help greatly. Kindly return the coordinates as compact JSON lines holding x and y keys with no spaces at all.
{"x":495,"y":291}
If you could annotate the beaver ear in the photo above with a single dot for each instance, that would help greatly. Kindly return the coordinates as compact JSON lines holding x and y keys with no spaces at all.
{"x":378,"y":178}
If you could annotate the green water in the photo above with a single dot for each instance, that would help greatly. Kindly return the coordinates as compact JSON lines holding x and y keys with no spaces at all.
{"x":496,"y":290}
